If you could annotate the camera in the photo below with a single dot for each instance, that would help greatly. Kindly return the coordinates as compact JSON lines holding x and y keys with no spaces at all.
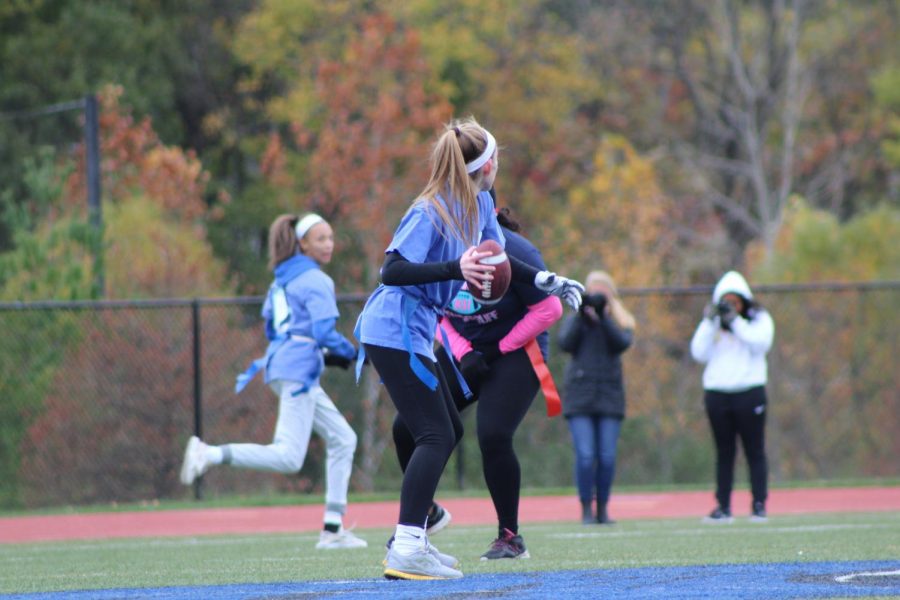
{"x":595,"y":301}
{"x":723,"y":308}
{"x":727,"y":313}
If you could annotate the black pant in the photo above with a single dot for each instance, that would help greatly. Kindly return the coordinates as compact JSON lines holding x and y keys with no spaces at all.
{"x":503,"y":397}
{"x":732,"y":415}
{"x":433,"y":423}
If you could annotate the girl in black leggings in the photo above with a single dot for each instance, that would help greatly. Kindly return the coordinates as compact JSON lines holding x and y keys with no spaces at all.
{"x":732,"y":340}
{"x":432,"y":252}
{"x":489,"y":343}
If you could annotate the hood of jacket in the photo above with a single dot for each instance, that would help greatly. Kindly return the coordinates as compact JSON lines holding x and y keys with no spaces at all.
{"x":732,"y":282}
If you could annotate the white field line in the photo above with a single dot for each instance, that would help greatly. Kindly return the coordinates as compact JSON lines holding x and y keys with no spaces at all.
{"x":850,"y":577}
{"x":704,"y":529}
{"x":44,"y":548}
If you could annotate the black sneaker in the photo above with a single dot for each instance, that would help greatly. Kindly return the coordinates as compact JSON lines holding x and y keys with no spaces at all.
{"x":719,"y":515}
{"x":603,"y":517}
{"x":508,"y":545}
{"x":438,"y":518}
{"x":587,"y":515}
{"x":758,"y":513}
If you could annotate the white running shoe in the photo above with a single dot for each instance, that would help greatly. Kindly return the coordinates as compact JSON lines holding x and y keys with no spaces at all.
{"x":420,"y":565}
{"x":445,"y":559}
{"x":344,"y":538}
{"x":195,"y":462}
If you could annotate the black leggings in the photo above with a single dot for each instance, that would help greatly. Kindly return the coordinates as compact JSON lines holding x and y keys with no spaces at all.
{"x":732,"y":415}
{"x":433,"y":423}
{"x":504,"y":397}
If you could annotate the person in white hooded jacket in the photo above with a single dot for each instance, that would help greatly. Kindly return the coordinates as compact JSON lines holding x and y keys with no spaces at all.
{"x":732,"y":340}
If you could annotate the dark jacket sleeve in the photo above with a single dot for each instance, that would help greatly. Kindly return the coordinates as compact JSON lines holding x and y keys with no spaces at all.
{"x":570,"y":332}
{"x":522,"y":272}
{"x":396,"y":270}
{"x":619,"y":339}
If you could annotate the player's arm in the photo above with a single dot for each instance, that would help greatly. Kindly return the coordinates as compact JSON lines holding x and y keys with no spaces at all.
{"x":396,"y":270}
{"x":546,"y":281}
{"x":459,"y":346}
{"x":522,"y":272}
{"x":538,"y":319}
{"x":327,"y":336}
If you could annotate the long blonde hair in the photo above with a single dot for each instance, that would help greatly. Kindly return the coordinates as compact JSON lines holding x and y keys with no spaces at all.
{"x":619,"y":313}
{"x":462,"y":141}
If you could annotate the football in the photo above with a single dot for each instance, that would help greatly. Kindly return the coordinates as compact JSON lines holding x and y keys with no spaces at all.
{"x":493,"y":290}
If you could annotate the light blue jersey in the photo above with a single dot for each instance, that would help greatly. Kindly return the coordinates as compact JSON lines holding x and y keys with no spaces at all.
{"x":300,"y":311}
{"x":421,"y":237}
{"x":309,"y":297}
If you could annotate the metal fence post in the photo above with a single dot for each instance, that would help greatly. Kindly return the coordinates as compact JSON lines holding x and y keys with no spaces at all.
{"x":92,"y":159}
{"x":198,"y":390}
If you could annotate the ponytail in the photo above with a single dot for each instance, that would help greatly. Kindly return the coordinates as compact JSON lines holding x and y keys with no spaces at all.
{"x":283,"y":242}
{"x":506,"y":221}
{"x":462,"y":142}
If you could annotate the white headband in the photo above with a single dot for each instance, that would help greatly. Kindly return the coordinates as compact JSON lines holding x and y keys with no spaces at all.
{"x":489,"y":148}
{"x":306,"y":223}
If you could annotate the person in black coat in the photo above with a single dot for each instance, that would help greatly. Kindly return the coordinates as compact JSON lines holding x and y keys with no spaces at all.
{"x":594,"y":394}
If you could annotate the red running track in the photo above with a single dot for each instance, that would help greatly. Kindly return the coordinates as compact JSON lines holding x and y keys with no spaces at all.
{"x":465,"y":511}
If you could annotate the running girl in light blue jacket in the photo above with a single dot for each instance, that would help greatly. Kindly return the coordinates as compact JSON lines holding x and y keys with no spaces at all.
{"x":300,"y":312}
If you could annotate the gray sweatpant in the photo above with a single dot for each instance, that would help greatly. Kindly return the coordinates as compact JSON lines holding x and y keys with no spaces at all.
{"x":298,"y":416}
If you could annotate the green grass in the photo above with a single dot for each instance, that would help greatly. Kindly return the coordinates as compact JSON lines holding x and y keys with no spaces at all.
{"x":43,"y":567}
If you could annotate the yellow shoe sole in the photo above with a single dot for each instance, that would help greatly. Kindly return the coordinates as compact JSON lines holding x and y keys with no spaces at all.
{"x":395,"y":574}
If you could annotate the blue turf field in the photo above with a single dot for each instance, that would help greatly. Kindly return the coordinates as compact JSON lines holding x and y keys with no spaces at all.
{"x":745,"y":581}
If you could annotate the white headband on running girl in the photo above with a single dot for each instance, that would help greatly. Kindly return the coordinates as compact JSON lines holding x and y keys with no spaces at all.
{"x":306,"y":223}
{"x":489,"y":149}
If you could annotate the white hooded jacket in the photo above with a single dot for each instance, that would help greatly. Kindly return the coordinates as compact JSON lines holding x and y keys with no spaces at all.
{"x":735,"y":360}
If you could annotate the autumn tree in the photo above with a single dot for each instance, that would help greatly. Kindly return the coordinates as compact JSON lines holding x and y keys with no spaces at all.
{"x":886,"y":85}
{"x":358,"y":121}
{"x":744,"y":87}
{"x":52,"y":259}
{"x":172,"y":59}
{"x":754,"y":101}
{"x":379,"y":117}
{"x":825,"y":398}
{"x":155,"y":210}
{"x":522,"y":71}
{"x":154,"y":245}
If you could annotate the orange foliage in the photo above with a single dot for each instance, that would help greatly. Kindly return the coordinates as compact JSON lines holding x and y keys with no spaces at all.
{"x":370,"y":153}
{"x":154,"y":210}
{"x":133,"y":159}
{"x":273,"y":163}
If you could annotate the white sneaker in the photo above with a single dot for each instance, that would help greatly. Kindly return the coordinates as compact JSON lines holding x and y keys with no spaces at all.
{"x":445,"y":559}
{"x":195,"y":463}
{"x":420,"y":565}
{"x":344,"y":538}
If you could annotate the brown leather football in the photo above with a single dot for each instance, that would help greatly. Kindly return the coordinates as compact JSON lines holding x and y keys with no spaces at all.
{"x":493,"y":290}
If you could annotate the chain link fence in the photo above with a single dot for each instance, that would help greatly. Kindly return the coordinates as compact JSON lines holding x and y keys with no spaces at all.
{"x":97,"y":399}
